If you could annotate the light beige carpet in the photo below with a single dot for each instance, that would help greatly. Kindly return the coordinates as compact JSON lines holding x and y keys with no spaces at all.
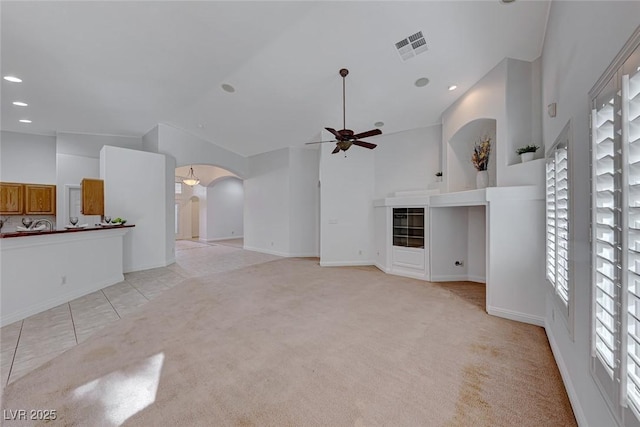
{"x":288,"y":343}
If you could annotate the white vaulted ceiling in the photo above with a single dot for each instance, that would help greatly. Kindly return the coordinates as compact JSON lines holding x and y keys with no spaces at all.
{"x":122,"y":67}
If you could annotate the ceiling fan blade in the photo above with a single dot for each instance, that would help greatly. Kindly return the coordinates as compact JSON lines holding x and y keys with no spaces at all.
{"x":365,"y":144}
{"x":334,"y":132}
{"x":366,"y":134}
{"x":320,"y":142}
{"x":336,"y":150}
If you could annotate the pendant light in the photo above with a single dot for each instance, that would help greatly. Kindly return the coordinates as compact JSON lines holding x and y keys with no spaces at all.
{"x":191,"y":179}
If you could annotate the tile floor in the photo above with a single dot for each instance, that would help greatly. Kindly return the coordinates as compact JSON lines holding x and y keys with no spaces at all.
{"x":29,"y":343}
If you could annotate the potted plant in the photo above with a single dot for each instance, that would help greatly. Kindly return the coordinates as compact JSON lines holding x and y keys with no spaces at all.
{"x":527,"y":152}
{"x":480,"y":160}
{"x":439,"y":176}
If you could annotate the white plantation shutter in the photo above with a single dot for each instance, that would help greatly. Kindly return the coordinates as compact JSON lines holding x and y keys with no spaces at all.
{"x":615,"y":194}
{"x":630,"y":134}
{"x":557,"y":199}
{"x":606,"y":231}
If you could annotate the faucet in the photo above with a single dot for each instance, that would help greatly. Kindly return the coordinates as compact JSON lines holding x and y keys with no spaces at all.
{"x":43,"y":220}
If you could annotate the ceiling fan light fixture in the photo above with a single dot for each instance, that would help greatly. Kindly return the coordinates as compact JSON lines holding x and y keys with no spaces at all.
{"x":191,"y":179}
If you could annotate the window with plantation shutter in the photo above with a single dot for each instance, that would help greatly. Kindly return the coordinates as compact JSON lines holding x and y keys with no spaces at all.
{"x":557,"y":186}
{"x":615,"y":222}
{"x":630,"y":135}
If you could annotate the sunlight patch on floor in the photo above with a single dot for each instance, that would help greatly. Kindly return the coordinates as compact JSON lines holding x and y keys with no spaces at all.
{"x":123,"y":394}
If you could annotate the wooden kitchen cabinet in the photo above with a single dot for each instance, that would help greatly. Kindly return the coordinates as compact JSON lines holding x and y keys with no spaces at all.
{"x":92,"y":196}
{"x":40,"y":199}
{"x":11,"y":198}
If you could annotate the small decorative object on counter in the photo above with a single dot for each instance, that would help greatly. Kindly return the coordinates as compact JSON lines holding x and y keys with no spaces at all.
{"x":26,"y":221}
{"x":480,"y":160}
{"x":438,"y":176}
{"x":527,"y":152}
{"x":119,"y":221}
{"x":73,"y":220}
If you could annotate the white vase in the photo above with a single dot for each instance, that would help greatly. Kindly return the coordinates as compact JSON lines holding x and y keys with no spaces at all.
{"x":525,"y":157}
{"x":482,"y":179}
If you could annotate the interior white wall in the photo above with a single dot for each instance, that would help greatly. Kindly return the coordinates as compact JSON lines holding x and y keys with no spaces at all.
{"x":476,"y":243}
{"x":195,"y":216}
{"x":189,"y":149}
{"x":89,"y":145}
{"x":143,"y":204}
{"x":27,"y":158}
{"x":201,"y":193}
{"x":267,"y":201}
{"x":71,"y":169}
{"x":581,"y":41}
{"x":407,"y":160}
{"x":449,"y":243}
{"x":346,"y":213}
{"x":225,"y":206}
{"x":169,"y":209}
{"x":304,"y":193}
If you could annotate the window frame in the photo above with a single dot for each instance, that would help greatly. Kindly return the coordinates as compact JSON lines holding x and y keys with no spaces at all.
{"x":563,"y":141}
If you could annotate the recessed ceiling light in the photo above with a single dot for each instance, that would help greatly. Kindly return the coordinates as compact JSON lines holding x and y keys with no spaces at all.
{"x":378,"y":124}
{"x":228,"y":88}
{"x":453,"y":87}
{"x":20,"y":104}
{"x":12,"y":79}
{"x":25,"y":121}
{"x":421,"y":82}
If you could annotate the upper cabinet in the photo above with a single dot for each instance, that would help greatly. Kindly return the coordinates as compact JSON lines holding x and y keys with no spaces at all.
{"x":40,"y":199}
{"x":92,"y":196}
{"x":11,"y":198}
{"x":27,"y":199}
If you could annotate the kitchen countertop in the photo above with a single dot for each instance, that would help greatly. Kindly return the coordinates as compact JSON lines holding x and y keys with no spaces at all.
{"x":69,"y":230}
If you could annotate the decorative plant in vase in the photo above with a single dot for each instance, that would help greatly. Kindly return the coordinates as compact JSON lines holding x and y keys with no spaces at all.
{"x":480,"y":160}
{"x":527,"y":152}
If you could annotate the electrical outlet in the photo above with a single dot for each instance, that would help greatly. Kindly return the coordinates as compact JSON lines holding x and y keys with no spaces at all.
{"x":360,"y":252}
{"x":63,"y":280}
{"x":459,"y":263}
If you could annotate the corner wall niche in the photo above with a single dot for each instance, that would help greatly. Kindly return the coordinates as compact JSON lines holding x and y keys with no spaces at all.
{"x":461,"y":174}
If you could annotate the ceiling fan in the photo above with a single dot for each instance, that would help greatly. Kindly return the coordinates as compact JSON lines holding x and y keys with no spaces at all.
{"x":345,"y":138}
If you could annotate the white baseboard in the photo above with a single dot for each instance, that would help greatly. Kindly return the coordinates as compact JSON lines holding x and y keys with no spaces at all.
{"x":382,"y":268}
{"x":266,"y":251}
{"x":458,"y":278}
{"x":304,"y":255}
{"x":345,"y":263}
{"x":517,"y":316}
{"x":477,"y":279}
{"x":217,"y":239}
{"x":408,"y":273}
{"x":59,"y":299}
{"x":143,"y":267}
{"x":566,"y":379}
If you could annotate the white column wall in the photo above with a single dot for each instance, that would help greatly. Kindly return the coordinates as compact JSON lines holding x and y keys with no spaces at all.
{"x":346,"y":213}
{"x":135,"y":189}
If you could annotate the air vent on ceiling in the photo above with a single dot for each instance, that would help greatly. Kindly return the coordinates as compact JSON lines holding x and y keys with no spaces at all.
{"x":412,"y":46}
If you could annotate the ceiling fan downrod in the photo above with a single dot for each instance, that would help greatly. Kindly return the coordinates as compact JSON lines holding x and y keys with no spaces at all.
{"x":344,"y":73}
